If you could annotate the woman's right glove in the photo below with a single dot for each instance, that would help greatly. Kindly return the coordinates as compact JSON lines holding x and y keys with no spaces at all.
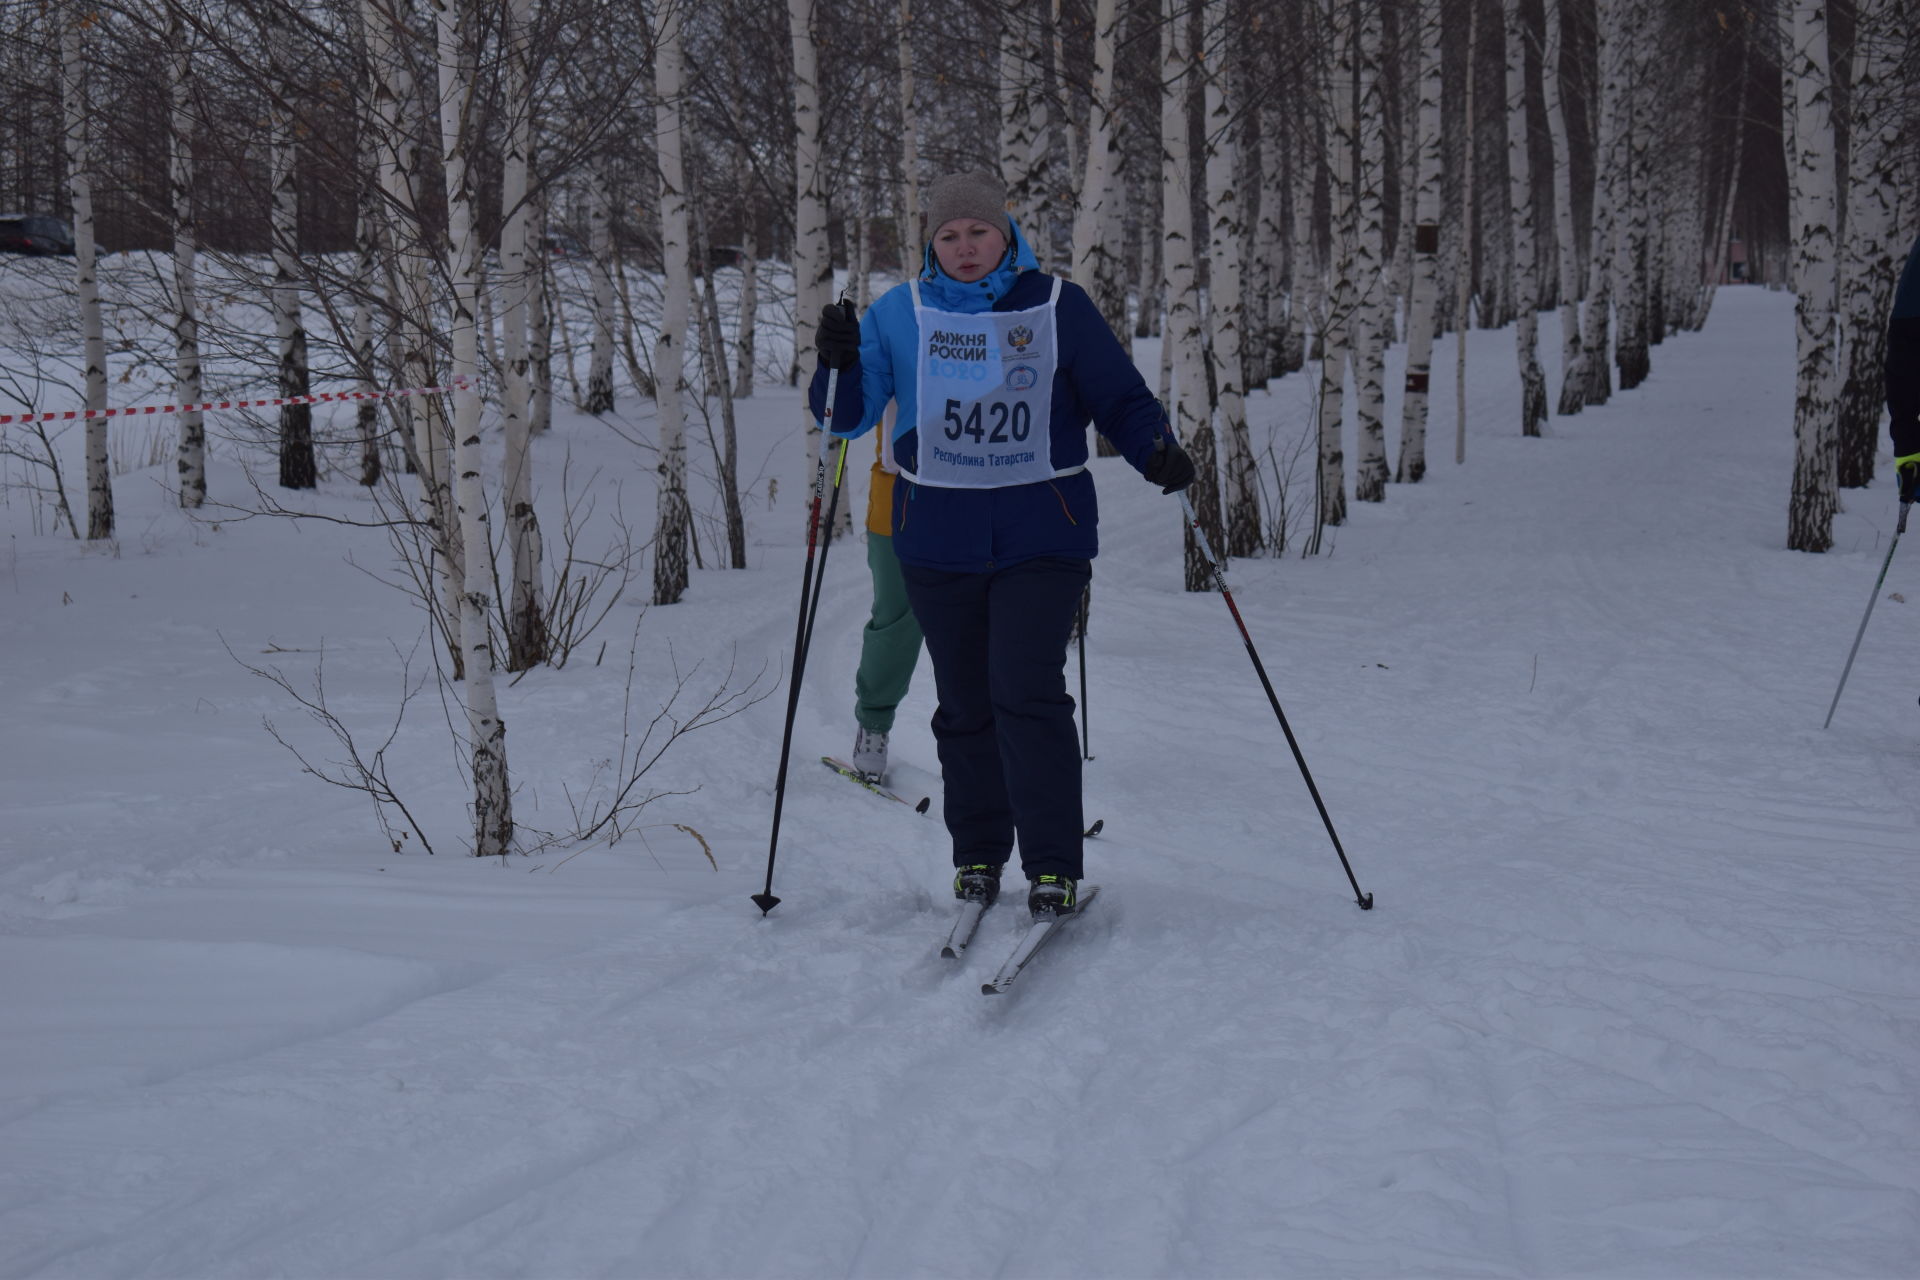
{"x":838,"y":337}
{"x":1169,"y":467}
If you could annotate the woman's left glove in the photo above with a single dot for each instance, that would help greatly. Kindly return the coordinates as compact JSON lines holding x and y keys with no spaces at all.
{"x":838,"y":337}
{"x":1169,"y":467}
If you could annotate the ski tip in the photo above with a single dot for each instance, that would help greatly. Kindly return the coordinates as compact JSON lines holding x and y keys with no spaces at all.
{"x":1094,"y":830}
{"x":766,"y":902}
{"x":948,"y":953}
{"x":988,"y":989}
{"x":922,"y":806}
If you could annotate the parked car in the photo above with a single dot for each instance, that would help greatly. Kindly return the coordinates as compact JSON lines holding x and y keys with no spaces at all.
{"x":34,"y":233}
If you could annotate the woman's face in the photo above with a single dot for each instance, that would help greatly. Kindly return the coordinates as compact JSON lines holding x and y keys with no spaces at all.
{"x":968,"y":248}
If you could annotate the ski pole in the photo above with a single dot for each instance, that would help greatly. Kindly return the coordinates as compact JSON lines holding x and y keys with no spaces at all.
{"x":1086,"y":720}
{"x":1220,"y":582}
{"x":1899,"y":529}
{"x":803,"y":630}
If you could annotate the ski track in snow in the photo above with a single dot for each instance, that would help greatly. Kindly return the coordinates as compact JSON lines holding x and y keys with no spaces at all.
{"x":1638,"y":997}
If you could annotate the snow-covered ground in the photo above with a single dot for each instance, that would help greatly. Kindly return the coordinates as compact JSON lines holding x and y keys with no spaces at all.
{"x":1640,"y":995}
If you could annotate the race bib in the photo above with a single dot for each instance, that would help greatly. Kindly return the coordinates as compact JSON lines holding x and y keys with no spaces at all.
{"x":985,"y":389}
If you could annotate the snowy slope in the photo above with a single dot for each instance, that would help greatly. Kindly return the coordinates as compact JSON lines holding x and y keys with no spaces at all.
{"x":1638,"y":997}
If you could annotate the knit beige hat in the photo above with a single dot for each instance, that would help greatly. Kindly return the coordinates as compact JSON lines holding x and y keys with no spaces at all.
{"x":978,"y":194}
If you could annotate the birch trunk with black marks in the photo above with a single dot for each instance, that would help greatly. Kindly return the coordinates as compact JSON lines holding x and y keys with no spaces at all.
{"x":1526,"y":284}
{"x":670,"y":345}
{"x":1097,"y":265}
{"x":1343,"y":294}
{"x":1597,"y":315}
{"x":424,"y":427}
{"x":1572,"y":399}
{"x":1631,"y":262}
{"x":812,"y":263}
{"x":487,"y":733}
{"x":526,"y":613}
{"x":297,"y":468}
{"x":75,"y":106}
{"x":600,"y":269}
{"x":1225,"y":318}
{"x":1872,"y":262}
{"x":1183,"y":331}
{"x":746,"y":322}
{"x":908,"y":195}
{"x":1427,"y":202}
{"x":1372,"y":306}
{"x":190,"y":459}
{"x":1025,"y":146}
{"x":1813,"y":191}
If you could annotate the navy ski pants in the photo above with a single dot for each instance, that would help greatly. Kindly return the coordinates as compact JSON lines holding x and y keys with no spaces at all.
{"x":1009,"y":751}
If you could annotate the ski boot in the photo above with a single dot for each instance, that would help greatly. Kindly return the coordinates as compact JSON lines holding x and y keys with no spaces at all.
{"x":1052,"y":896}
{"x":977,"y":883}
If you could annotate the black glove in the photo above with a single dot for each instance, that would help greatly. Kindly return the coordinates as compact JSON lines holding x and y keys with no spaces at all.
{"x":1169,"y":466}
{"x":838,"y":337}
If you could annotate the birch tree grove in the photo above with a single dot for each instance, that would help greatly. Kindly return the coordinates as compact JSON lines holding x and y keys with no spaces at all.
{"x":669,"y":353}
{"x":1808,"y":90}
{"x":487,"y":732}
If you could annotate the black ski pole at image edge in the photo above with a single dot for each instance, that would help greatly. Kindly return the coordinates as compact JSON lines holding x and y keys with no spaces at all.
{"x":1899,"y":529}
{"x":803,"y":629}
{"x":1220,"y":583}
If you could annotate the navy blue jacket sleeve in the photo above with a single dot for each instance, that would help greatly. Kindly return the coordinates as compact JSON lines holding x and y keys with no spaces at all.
{"x":1110,"y":388}
{"x":1903,"y":359}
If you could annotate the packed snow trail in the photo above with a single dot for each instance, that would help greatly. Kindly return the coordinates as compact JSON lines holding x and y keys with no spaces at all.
{"x":1638,"y":997}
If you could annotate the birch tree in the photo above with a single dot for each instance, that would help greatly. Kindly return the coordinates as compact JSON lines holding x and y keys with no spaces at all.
{"x":1225,"y":318}
{"x":190,"y":458}
{"x":1553,"y":85}
{"x":669,"y":359}
{"x":526,"y":621}
{"x":600,"y":269}
{"x":1526,"y":291}
{"x":1371,"y":324}
{"x":1596,"y":317}
{"x":1633,"y":193}
{"x":297,"y":468}
{"x":1426,"y":249}
{"x":1097,"y":266}
{"x":1183,"y":331}
{"x":424,"y":430}
{"x":74,"y":103}
{"x":1025,"y":160}
{"x":906,"y":195}
{"x":487,"y":733}
{"x":1812,"y":182}
{"x":1337,"y":329}
{"x":1873,"y":243}
{"x":747,"y":325}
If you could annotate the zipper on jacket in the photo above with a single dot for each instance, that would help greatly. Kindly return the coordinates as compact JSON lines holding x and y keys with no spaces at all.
{"x":1064,"y":509}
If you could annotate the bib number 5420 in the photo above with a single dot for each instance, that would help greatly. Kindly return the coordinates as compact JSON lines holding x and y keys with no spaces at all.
{"x":1010,"y":422}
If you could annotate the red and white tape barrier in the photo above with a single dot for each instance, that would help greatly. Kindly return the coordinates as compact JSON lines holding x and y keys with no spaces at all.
{"x":73,"y":415}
